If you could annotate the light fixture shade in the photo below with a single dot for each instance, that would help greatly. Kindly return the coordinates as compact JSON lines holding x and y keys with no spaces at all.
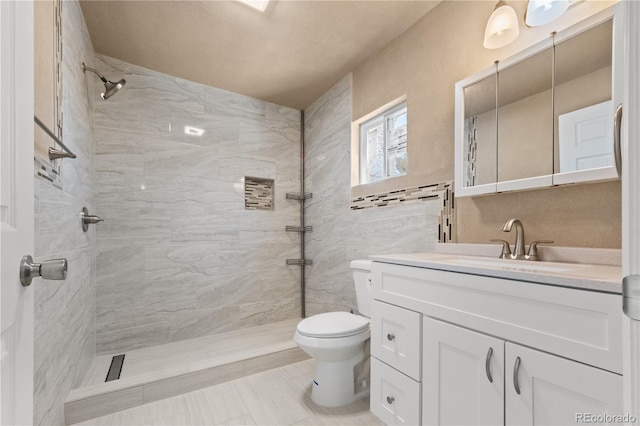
{"x":502,"y":27}
{"x":540,"y":12}
{"x":260,"y":5}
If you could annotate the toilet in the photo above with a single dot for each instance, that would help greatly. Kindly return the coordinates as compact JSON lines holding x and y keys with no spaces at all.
{"x":339,"y":343}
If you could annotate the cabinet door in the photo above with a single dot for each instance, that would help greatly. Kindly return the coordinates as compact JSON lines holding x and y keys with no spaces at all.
{"x":463,"y":376}
{"x":555,"y":390}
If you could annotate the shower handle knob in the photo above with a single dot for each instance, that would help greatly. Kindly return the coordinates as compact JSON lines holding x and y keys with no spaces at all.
{"x":55,"y":269}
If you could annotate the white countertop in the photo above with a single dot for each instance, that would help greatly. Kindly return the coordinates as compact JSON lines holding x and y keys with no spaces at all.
{"x":594,"y":277}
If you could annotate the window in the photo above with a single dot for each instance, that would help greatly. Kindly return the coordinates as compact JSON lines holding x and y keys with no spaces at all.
{"x":383,"y":145}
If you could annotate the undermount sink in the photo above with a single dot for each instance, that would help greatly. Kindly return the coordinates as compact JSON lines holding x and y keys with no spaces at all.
{"x":518,"y":265}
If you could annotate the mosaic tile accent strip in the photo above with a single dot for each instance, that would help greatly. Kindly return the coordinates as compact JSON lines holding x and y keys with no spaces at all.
{"x":470,"y":148}
{"x":447,"y":218}
{"x":419,"y":193}
{"x":258,"y":193}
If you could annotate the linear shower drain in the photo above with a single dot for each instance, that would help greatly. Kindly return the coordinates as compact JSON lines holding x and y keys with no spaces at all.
{"x":115,"y":368}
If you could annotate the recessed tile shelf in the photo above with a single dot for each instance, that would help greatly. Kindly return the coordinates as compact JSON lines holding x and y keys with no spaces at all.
{"x":258,"y":193}
{"x":298,"y":228}
{"x":298,"y":196}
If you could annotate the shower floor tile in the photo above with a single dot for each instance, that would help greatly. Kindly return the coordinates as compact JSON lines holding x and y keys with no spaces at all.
{"x":159,"y":372}
{"x":279,"y":396}
{"x":155,"y":360}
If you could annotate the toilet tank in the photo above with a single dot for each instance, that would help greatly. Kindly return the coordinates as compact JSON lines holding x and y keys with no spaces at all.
{"x":362,"y":279}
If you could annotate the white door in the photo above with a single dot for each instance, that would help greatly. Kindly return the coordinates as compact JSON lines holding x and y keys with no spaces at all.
{"x":586,"y":138}
{"x":462,"y":376}
{"x":16,"y":210}
{"x":543,"y":389}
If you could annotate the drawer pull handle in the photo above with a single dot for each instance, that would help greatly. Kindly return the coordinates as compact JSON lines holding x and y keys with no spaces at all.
{"x":390,"y":400}
{"x":516,"y":368}
{"x":391,"y":337}
{"x":487,"y":365}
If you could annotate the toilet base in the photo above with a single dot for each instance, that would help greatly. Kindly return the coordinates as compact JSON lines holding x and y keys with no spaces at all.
{"x":333,"y":384}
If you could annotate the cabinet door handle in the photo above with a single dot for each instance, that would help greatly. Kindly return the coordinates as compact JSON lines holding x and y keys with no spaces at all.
{"x":516,"y":369}
{"x":487,"y":365}
{"x":390,"y":400}
{"x":617,"y":129}
{"x":390,"y":336}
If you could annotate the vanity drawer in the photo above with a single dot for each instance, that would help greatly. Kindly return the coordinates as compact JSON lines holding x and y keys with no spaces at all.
{"x":395,"y":337}
{"x":585,"y":326}
{"x":395,"y":398}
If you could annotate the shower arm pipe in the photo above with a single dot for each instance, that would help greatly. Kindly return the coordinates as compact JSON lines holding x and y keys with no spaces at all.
{"x":55,"y":153}
{"x":86,"y":68}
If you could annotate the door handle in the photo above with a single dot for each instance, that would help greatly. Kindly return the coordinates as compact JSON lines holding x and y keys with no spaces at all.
{"x":617,"y":129}
{"x":55,"y":269}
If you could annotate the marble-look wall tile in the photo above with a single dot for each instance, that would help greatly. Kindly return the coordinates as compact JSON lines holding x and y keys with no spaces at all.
{"x":65,"y":314}
{"x":178,"y":255}
{"x":340,"y":234}
{"x":121,"y":340}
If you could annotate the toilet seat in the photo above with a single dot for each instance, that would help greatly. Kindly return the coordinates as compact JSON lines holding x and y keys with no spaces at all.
{"x":333,"y":325}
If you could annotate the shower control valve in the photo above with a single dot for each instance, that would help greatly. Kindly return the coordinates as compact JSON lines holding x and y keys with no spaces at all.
{"x":55,"y":269}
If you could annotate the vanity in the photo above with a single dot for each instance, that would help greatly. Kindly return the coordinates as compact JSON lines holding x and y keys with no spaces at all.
{"x":476,"y":340}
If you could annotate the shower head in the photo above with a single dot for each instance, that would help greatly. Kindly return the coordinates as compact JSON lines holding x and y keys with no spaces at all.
{"x":110,"y":87}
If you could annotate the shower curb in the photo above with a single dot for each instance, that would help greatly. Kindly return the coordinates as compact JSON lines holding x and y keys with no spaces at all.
{"x":100,"y":400}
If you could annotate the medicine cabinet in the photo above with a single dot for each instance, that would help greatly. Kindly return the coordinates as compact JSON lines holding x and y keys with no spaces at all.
{"x":545,"y":116}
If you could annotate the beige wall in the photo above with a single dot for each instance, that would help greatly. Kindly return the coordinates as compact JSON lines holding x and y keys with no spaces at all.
{"x":442,"y":48}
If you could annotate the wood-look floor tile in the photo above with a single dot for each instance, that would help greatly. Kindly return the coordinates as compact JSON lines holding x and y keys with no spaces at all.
{"x":281,"y":396}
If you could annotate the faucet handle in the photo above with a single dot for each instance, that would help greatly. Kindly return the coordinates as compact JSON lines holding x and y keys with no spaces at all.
{"x":533,"y":248}
{"x":506,"y":248}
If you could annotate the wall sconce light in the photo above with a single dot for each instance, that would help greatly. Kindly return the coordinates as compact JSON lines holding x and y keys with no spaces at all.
{"x":540,"y":12}
{"x":502,"y":27}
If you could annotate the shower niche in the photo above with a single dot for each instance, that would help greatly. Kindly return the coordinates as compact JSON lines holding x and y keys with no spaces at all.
{"x":258,"y":193}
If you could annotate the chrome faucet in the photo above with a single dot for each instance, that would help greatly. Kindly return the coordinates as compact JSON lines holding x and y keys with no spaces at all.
{"x":518,"y":249}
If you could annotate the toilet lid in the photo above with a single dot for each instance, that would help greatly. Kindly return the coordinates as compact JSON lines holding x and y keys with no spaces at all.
{"x":333,"y":324}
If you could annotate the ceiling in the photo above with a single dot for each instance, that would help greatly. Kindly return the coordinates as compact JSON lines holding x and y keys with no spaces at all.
{"x":289,"y":55}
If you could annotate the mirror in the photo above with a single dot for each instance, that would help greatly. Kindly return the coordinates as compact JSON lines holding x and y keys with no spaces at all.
{"x":525,"y":111}
{"x":582,"y":99}
{"x":544,"y":116}
{"x":480,"y":138}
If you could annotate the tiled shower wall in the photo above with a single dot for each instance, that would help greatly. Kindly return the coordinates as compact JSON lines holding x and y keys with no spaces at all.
{"x":65,"y":310}
{"x":341,"y":234}
{"x":179,"y":256}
